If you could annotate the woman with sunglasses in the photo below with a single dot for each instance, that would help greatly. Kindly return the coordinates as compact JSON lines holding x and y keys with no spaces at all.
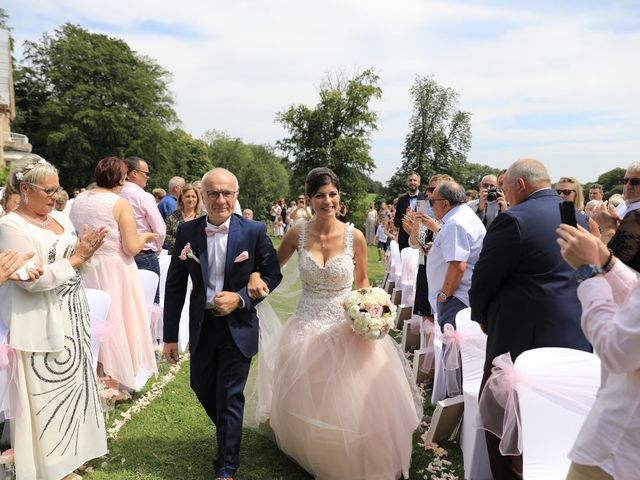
{"x":570,"y":190}
{"x":57,"y":421}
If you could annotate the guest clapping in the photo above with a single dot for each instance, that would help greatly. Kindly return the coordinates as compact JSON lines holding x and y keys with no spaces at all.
{"x":126,"y":352}
{"x":58,"y":404}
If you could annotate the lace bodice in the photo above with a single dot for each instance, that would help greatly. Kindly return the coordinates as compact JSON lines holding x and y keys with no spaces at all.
{"x":323,"y":288}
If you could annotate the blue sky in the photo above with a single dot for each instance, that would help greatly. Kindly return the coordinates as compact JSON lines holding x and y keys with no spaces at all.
{"x":554,"y":80}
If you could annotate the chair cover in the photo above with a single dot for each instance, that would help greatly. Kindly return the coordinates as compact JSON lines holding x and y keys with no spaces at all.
{"x":150,"y":285}
{"x":395,"y":273}
{"x":183,"y":328}
{"x":99,"y":302}
{"x":553,"y":404}
{"x":472,"y":353}
{"x":409,"y":258}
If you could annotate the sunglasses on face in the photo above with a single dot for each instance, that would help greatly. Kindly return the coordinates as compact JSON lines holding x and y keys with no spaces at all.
{"x":633,"y":181}
{"x":566,"y":192}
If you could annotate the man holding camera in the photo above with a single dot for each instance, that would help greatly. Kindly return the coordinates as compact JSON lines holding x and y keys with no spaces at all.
{"x":491,"y":201}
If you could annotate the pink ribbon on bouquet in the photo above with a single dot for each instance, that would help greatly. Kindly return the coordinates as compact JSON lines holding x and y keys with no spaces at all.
{"x":9,"y":396}
{"x":453,"y":339}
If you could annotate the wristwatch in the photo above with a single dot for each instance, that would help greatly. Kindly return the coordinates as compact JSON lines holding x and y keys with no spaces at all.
{"x":587,"y":271}
{"x":442,"y":297}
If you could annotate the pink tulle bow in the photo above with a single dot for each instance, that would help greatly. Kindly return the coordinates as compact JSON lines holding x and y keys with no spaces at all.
{"x":102,"y":330}
{"x":9,"y":395}
{"x":156,"y":313}
{"x":452,"y":339}
{"x":428,"y":331}
{"x":5,"y":352}
{"x":498,"y":405}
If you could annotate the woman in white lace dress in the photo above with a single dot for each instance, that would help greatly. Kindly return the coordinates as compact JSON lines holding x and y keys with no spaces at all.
{"x":339,"y":405}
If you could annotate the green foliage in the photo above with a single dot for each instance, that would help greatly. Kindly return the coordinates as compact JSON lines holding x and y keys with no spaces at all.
{"x":611,"y":181}
{"x":335,"y":134}
{"x":84,"y":96}
{"x":469,"y":174}
{"x":439,"y":135}
{"x":4,"y":173}
{"x":261,"y":173}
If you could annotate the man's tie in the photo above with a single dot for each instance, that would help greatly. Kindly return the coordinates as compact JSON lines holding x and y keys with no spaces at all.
{"x":212,"y":229}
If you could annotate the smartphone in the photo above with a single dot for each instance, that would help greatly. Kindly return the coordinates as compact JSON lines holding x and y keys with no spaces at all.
{"x":568,"y":213}
{"x":421,"y":206}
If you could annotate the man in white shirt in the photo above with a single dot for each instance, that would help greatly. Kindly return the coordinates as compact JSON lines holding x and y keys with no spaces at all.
{"x":455,"y":251}
{"x":145,"y":211}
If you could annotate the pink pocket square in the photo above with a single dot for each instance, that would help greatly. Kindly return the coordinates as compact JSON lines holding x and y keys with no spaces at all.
{"x":242,"y":257}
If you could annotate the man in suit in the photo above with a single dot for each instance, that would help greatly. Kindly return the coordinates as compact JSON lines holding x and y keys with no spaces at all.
{"x":407,"y":203}
{"x":522,"y":292}
{"x":219,"y":251}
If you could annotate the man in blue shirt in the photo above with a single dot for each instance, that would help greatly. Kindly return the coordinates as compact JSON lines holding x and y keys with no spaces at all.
{"x":169,"y":203}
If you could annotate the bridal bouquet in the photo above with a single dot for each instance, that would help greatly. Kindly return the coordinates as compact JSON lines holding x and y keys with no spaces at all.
{"x":371,"y":312}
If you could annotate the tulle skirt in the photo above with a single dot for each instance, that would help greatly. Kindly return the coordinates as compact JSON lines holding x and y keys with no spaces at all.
{"x":341,"y":406}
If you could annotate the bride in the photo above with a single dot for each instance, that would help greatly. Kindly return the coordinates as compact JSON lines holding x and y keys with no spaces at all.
{"x":339,"y":405}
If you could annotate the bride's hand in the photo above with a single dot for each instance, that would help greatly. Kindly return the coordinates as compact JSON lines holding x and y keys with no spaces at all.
{"x":257,"y":288}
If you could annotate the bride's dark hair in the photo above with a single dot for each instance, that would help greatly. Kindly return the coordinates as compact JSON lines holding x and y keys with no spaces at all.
{"x":319,"y":177}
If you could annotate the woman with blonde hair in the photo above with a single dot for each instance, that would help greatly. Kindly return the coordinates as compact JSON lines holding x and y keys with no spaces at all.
{"x":570,"y":190}
{"x":188,"y":207}
{"x":57,"y":423}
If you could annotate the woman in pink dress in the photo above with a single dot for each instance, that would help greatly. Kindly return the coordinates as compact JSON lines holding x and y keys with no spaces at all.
{"x":341,"y":406}
{"x":126,"y":349}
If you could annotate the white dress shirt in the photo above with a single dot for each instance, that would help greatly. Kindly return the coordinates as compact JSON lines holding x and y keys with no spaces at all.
{"x":460,"y":239}
{"x":217,"y":252}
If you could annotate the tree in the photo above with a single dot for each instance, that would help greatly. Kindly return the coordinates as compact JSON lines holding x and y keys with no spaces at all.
{"x":84,"y":96}
{"x":611,"y":181}
{"x":261,"y":173}
{"x":469,"y":174}
{"x":439,"y":135}
{"x":336,"y":133}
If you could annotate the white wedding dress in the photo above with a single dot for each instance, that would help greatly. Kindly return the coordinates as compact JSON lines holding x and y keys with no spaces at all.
{"x":341,"y":406}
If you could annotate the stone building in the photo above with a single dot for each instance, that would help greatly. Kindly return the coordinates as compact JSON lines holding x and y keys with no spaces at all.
{"x":12,"y":145}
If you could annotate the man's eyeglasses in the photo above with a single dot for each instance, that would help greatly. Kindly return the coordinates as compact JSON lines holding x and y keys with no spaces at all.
{"x":487,"y":185}
{"x":49,"y":192}
{"x":434,"y":200}
{"x":146,"y":174}
{"x":633,"y":181}
{"x":566,"y":192}
{"x":214,"y":194}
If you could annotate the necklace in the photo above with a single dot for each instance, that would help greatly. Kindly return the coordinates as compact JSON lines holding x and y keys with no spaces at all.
{"x":41,"y":224}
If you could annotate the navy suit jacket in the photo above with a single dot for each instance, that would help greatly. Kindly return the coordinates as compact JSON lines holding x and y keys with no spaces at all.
{"x":401,"y":209}
{"x":522,"y":290}
{"x":244,"y":235}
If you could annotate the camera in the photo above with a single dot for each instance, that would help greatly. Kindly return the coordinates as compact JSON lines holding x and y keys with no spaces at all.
{"x":492,"y":194}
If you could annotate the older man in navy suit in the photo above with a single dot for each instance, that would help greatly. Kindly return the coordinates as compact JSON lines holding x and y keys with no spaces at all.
{"x":219,"y":252}
{"x":523,"y":293}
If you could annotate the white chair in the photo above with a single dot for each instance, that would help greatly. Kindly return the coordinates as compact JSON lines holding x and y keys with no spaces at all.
{"x":183,"y":332}
{"x":164,"y":261}
{"x":99,"y":302}
{"x":149,"y":286}
{"x":410,"y":257}
{"x":439,"y":391}
{"x":560,"y":389}
{"x":472,"y":440}
{"x":395,"y":272}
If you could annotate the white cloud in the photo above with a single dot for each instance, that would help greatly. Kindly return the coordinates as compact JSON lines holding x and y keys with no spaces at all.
{"x":540,"y":79}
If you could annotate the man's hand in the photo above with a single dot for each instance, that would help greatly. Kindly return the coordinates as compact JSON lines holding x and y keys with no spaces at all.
{"x":407,"y":221}
{"x":257,"y":288}
{"x":503,"y":206}
{"x":579,"y":247}
{"x":170,"y":353}
{"x":226,"y":302}
{"x":482,"y":204}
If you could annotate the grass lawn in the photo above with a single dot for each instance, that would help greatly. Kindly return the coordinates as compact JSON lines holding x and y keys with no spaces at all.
{"x":174,"y":439}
